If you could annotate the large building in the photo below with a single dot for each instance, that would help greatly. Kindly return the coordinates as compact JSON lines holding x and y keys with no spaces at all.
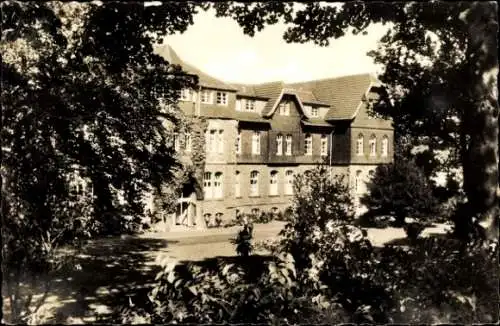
{"x":258,"y":136}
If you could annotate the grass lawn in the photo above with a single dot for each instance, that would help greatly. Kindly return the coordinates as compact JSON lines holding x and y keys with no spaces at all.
{"x":112,"y":270}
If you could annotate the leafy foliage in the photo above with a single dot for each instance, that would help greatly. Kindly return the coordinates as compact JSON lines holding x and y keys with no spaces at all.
{"x":399,"y":189}
{"x":83,"y":94}
{"x":243,"y":240}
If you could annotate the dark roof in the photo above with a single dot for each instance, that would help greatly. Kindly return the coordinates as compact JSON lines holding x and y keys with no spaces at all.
{"x":204,"y":79}
{"x":316,"y":123}
{"x":344,"y":94}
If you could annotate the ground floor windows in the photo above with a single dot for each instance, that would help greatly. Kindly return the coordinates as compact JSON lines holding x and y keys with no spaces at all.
{"x":212,"y":185}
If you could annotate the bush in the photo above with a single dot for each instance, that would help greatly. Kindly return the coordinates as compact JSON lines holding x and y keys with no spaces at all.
{"x":400,"y":189}
{"x":243,"y":240}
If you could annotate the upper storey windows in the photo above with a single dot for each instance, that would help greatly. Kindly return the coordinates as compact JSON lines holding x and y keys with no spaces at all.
{"x":221,"y":98}
{"x":284,"y":108}
{"x":206,"y":96}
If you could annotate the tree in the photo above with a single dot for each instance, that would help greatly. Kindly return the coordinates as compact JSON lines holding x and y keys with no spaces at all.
{"x":399,"y":189}
{"x":320,"y":202}
{"x":449,"y":100}
{"x":82,"y":91}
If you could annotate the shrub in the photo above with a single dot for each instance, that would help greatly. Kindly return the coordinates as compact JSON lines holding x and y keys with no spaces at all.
{"x":400,"y":189}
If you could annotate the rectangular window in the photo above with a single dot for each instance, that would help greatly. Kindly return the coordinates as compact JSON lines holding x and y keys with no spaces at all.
{"x":308,"y":144}
{"x":256,"y":143}
{"x":220,"y":141}
{"x":205,"y":96}
{"x":284,"y":108}
{"x":385,"y":146}
{"x":177,"y":143}
{"x":373,"y":147}
{"x":222,"y":98}
{"x":288,"y":144}
{"x":185,"y":94}
{"x":250,"y":105}
{"x":207,"y":184}
{"x":314,"y":112}
{"x":279,"y":145}
{"x":324,"y":145}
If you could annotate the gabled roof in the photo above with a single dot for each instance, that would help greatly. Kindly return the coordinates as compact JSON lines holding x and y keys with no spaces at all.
{"x":204,"y":79}
{"x":344,"y":94}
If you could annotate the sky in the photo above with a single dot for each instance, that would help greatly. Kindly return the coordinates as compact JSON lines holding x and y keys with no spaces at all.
{"x":218,"y":47}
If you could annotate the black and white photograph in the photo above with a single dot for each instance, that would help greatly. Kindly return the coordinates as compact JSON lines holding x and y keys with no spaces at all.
{"x":274,"y":163}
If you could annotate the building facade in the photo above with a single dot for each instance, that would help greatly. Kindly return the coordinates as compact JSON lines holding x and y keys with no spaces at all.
{"x":258,"y":137}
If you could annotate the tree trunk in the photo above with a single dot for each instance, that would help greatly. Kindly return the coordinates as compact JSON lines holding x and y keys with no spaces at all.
{"x":481,"y":160}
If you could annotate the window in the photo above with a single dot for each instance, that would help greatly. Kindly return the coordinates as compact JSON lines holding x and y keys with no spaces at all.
{"x":213,"y":141}
{"x":256,"y":143}
{"x":357,"y":181}
{"x":218,"y":185}
{"x":205,"y":96}
{"x":314,"y":112}
{"x":284,"y":108}
{"x":188,"y":143}
{"x":255,"y":211}
{"x":220,"y":141}
{"x":371,"y":173}
{"x":250,"y":105}
{"x":279,"y":145}
{"x":385,"y":146}
{"x":238,"y":142}
{"x":254,"y":183}
{"x":237,"y":184}
{"x":273,"y":183}
{"x":360,"y":145}
{"x":207,"y":184}
{"x":373,"y":145}
{"x":308,"y":144}
{"x":185,"y":94}
{"x":222,"y":98}
{"x":307,"y":109}
{"x":288,"y":144}
{"x":275,"y":210}
{"x":218,"y":218}
{"x":324,"y":145}
{"x":289,"y":182}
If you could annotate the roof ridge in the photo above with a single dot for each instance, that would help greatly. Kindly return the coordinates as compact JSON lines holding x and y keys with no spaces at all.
{"x":368,"y":74}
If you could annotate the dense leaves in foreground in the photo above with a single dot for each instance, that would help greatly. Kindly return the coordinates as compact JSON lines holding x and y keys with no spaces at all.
{"x":343,"y":279}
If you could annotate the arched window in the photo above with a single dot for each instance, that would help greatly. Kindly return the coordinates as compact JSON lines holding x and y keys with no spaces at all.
{"x":289,"y":182}
{"x":385,"y":145}
{"x":357,"y":181}
{"x":273,"y":183}
{"x":255,"y":211}
{"x":279,"y":145}
{"x":360,"y":144}
{"x":218,"y":185}
{"x":237,"y":184}
{"x":288,"y":144}
{"x":371,"y":173}
{"x":254,"y":183}
{"x":256,"y":143}
{"x":207,"y":217}
{"x":373,"y":145}
{"x":238,"y":142}
{"x":275,"y":210}
{"x":308,"y":144}
{"x":207,"y":184}
{"x":220,"y":141}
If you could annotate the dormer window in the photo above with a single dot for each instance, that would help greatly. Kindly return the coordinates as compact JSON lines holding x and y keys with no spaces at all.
{"x":205,"y":97}
{"x":314,"y":112}
{"x":250,"y":105}
{"x":222,"y":98}
{"x":284,"y":108}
